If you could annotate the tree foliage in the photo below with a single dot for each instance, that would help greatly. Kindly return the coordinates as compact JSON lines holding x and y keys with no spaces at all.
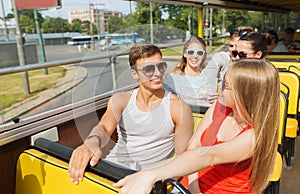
{"x":115,"y":24}
{"x":55,"y":25}
{"x":167,"y":20}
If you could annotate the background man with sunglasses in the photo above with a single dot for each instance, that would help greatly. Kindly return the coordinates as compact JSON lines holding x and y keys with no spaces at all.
{"x":151,"y":122}
{"x":217,"y":66}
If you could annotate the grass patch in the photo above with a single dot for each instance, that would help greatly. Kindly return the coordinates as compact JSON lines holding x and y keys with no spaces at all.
{"x":177,"y":51}
{"x":174,"y":51}
{"x":12,"y":89}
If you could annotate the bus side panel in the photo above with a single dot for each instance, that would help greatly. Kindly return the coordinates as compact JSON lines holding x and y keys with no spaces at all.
{"x":8,"y":161}
{"x":39,"y":173}
{"x":72,"y":133}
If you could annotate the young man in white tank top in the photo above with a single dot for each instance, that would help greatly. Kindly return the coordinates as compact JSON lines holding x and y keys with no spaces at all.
{"x":151,"y":123}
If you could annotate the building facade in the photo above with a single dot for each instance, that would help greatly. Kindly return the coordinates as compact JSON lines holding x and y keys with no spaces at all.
{"x":98,"y":17}
{"x":9,"y":26}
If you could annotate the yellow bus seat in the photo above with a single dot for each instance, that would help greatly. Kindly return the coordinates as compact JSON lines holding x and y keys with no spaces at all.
{"x":274,"y":184}
{"x":40,"y":173}
{"x":282,"y":122}
{"x":291,"y":127}
{"x":276,"y":174}
{"x":295,"y":69}
{"x":284,"y":88}
{"x":197,"y":119}
{"x":286,"y":65}
{"x":292,"y":81}
{"x":44,"y":170}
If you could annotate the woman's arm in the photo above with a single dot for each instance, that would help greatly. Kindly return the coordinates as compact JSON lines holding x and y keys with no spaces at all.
{"x":238,"y":149}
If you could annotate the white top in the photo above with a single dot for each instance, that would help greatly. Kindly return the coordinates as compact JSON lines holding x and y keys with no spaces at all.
{"x":144,"y":138}
{"x":217,"y":66}
{"x":194,"y":90}
{"x":280,"y":48}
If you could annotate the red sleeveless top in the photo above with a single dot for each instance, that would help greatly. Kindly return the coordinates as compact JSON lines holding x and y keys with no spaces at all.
{"x":222,"y":178}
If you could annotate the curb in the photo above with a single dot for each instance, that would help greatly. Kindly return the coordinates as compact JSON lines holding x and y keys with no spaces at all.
{"x":74,"y":76}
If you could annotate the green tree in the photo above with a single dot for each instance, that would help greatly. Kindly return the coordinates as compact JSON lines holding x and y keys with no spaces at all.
{"x":75,"y":26}
{"x":115,"y":24}
{"x":27,"y":24}
{"x":235,"y":18}
{"x":55,"y":25}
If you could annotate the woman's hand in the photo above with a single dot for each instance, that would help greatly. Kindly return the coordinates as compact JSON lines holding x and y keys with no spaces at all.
{"x":212,"y":98}
{"x":138,"y":183}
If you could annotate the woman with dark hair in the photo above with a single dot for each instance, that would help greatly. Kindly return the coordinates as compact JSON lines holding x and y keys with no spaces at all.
{"x":251,"y":45}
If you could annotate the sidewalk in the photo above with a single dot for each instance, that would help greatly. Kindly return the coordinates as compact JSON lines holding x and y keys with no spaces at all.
{"x":72,"y":78}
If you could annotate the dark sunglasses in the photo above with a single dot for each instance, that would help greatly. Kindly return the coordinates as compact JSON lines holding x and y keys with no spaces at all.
{"x":149,"y":70}
{"x":239,"y":32}
{"x":240,"y":54}
{"x":192,"y":52}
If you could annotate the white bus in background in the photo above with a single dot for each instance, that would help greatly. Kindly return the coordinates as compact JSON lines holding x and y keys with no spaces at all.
{"x":81,"y":40}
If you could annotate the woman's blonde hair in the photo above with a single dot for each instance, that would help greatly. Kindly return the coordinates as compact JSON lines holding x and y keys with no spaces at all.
{"x":256,"y":90}
{"x":183,"y":62}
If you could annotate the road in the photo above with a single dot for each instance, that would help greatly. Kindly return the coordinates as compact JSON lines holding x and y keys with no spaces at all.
{"x":98,"y":80}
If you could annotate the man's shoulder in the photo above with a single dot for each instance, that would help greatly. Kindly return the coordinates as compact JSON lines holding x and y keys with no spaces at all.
{"x":121,"y":98}
{"x":177,"y":102}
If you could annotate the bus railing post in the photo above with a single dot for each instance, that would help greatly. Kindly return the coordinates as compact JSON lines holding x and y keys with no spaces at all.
{"x":113,"y":70}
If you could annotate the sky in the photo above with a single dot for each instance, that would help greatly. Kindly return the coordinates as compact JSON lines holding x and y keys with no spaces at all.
{"x":69,"y":5}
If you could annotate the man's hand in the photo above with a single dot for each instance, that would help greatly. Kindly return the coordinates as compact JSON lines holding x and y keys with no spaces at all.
{"x":87,"y":152}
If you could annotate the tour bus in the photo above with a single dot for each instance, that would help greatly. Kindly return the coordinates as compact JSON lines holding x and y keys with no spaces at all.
{"x":35,"y":149}
{"x":81,"y":40}
{"x":122,"y":38}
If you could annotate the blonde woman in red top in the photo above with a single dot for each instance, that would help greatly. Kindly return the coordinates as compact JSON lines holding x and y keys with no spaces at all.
{"x":234,"y":147}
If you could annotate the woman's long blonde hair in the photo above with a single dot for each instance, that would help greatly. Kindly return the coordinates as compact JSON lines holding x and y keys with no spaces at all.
{"x":256,"y":90}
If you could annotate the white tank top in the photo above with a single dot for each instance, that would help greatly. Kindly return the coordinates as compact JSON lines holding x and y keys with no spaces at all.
{"x":144,"y":138}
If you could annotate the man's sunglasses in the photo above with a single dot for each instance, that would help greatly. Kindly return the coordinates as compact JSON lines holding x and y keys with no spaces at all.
{"x":239,"y":32}
{"x":192,"y":52}
{"x":149,"y":70}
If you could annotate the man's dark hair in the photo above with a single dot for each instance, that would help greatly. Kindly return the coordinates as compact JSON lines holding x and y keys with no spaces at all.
{"x":142,"y":50}
{"x":289,"y":30}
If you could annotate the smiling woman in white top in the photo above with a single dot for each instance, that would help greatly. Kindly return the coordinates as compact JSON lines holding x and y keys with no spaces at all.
{"x":186,"y":80}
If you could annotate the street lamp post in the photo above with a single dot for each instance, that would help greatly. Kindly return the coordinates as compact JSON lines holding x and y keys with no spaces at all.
{"x":91,"y":25}
{"x":20,"y":49}
{"x":4,"y":21}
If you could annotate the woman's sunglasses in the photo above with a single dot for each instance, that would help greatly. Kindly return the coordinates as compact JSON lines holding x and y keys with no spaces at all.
{"x":149,"y":70}
{"x":240,"y":54}
{"x":192,"y":52}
